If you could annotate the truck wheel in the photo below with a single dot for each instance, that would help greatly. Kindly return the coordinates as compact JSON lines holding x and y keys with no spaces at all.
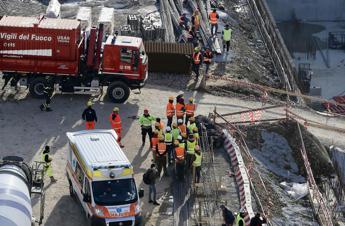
{"x":118,"y":92}
{"x":37,"y":87}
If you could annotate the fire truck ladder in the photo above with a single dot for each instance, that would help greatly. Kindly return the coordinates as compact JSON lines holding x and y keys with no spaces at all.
{"x":38,"y":186}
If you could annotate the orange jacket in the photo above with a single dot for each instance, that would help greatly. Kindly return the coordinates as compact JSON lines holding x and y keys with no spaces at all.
{"x":179,"y":110}
{"x":179,"y":153}
{"x":213,"y":17}
{"x":190,"y":109}
{"x":154,"y":141}
{"x":116,"y":122}
{"x":170,"y":110}
{"x":196,"y":58}
{"x":183,"y":128}
{"x":161,"y":148}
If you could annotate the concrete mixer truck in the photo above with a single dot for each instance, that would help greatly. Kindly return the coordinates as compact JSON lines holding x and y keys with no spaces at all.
{"x":18,"y":182}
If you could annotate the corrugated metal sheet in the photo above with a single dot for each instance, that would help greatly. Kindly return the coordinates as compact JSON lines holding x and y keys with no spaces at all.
{"x":50,"y":23}
{"x":171,"y":48}
{"x":98,"y":147}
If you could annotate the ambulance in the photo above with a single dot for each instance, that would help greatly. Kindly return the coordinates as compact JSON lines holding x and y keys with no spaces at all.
{"x":101,"y":178}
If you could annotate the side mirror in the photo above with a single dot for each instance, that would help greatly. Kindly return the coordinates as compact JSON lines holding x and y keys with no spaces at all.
{"x":86,"y":198}
{"x":141,"y":193}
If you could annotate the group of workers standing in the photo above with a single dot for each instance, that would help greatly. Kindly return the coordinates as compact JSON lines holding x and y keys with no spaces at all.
{"x":177,"y":143}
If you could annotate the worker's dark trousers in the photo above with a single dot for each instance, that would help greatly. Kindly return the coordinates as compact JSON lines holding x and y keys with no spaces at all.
{"x":189,"y":161}
{"x":161,"y":161}
{"x":214,"y":27}
{"x":207,"y":67}
{"x":196,"y":69}
{"x":187,"y":118}
{"x":197,"y":174}
{"x":170,"y":149}
{"x":144,"y":131}
{"x":179,"y":170}
{"x":169,"y":121}
{"x":227,"y":45}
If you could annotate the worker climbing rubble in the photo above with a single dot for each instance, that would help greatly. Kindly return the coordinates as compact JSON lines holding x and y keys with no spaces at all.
{"x":89,"y":116}
{"x":213,"y":19}
{"x":48,"y":164}
{"x":197,"y":61}
{"x":116,"y":124}
{"x":146,"y":121}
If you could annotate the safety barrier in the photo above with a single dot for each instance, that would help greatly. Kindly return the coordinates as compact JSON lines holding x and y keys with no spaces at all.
{"x":241,"y":175}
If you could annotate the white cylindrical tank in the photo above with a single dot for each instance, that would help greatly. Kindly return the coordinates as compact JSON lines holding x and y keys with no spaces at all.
{"x":15,"y":202}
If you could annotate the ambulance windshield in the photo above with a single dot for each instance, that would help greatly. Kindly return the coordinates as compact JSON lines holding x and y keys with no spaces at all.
{"x":114,"y":192}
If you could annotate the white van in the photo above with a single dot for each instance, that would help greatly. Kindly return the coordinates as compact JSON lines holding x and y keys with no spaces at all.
{"x":101,"y":177}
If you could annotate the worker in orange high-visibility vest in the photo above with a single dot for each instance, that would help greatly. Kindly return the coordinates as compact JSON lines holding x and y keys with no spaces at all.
{"x":213,"y":18}
{"x":181,"y":126}
{"x":161,"y":156}
{"x":190,"y":109}
{"x":180,"y":109}
{"x":197,"y":60}
{"x":116,"y":124}
{"x":154,"y":142}
{"x":170,"y":111}
{"x":180,"y":154}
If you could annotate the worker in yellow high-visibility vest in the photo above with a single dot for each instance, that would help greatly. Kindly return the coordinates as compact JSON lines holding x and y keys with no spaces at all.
{"x":227,"y":33}
{"x":48,"y":170}
{"x":197,"y":164}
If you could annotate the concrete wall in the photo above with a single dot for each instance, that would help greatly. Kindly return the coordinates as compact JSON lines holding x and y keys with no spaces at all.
{"x":310,"y":10}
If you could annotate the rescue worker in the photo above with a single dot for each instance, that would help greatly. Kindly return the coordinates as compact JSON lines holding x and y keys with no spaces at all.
{"x":146,"y":121}
{"x":256,"y":220}
{"x":192,"y":125}
{"x":196,"y":134}
{"x":47,"y":93}
{"x":170,"y":110}
{"x":191,"y":144}
{"x":168,"y":139}
{"x":161,"y":124}
{"x":228,"y":216}
{"x":180,"y":110}
{"x":196,"y":20}
{"x":159,"y":129}
{"x":182,"y":142}
{"x":183,"y":21}
{"x":240,"y":218}
{"x":175,"y":131}
{"x":182,"y":127}
{"x":208,"y":55}
{"x":180,"y":154}
{"x":154,"y":142}
{"x":197,"y":60}
{"x":227,"y":33}
{"x":116,"y":124}
{"x":190,"y":109}
{"x":152,"y":175}
{"x":197,"y":164}
{"x":213,"y":18}
{"x":89,"y":116}
{"x":48,"y":170}
{"x":161,"y":157}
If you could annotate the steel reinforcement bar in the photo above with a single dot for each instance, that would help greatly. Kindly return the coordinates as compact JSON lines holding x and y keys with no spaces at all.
{"x":275,"y":44}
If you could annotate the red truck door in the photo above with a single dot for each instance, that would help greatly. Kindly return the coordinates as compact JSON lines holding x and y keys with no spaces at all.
{"x":129,"y":61}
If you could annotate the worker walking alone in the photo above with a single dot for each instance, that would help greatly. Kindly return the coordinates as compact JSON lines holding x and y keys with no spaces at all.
{"x":170,"y":111}
{"x":208,"y":55}
{"x":116,"y":124}
{"x":213,"y":18}
{"x":89,"y":116}
{"x":197,"y":164}
{"x":190,"y":109}
{"x":227,"y":33}
{"x":197,"y":60}
{"x":47,"y":93}
{"x":146,"y":121}
{"x":48,"y":170}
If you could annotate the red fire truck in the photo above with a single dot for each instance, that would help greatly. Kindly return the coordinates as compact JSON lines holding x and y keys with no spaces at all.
{"x":39,"y":52}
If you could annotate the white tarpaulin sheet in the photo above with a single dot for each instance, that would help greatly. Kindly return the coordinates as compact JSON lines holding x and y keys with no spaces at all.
{"x":53,"y":9}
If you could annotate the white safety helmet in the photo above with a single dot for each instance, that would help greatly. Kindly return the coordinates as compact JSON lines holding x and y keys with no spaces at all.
{"x":168,"y":129}
{"x":179,"y":121}
{"x":179,"y":137}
